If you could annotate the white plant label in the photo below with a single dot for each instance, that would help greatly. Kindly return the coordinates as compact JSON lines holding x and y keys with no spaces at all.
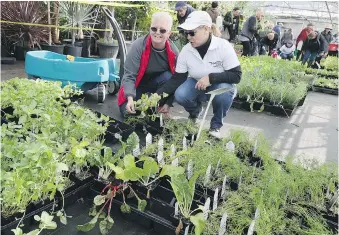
{"x":184,"y":144}
{"x":160,"y":159}
{"x":223,"y":189}
{"x":136,"y":150}
{"x":173,"y":150}
{"x":161,"y":120}
{"x":255,"y":148}
{"x":206,"y":208}
{"x":230,"y":146}
{"x":125,"y":186}
{"x":251,"y":228}
{"x":175,"y":162}
{"x":208,"y":175}
{"x":192,"y":140}
{"x":222,"y":229}
{"x":148,"y":139}
{"x":240,"y":179}
{"x":215,"y":199}
{"x":217,"y":167}
{"x":189,"y":169}
{"x":176,"y":209}
{"x":101,"y":172}
{"x":186,"y":230}
{"x":161,"y":144}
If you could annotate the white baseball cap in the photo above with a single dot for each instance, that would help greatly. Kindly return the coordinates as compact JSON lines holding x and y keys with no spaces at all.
{"x":196,"y":19}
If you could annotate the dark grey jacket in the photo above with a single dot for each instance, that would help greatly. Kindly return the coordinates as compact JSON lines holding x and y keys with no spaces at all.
{"x":250,"y":27}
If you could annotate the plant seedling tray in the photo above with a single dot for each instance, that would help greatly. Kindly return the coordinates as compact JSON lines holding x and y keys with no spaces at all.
{"x":325,"y":90}
{"x":268,"y":108}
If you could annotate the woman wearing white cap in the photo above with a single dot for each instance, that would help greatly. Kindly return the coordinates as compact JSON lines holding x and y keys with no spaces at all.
{"x":206,"y":63}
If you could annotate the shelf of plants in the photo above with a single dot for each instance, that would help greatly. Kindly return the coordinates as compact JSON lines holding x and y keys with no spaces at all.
{"x":53,"y":153}
{"x":275,"y":86}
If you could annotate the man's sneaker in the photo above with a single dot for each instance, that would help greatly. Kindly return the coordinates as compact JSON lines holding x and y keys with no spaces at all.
{"x":215,"y":133}
{"x":194,"y":118}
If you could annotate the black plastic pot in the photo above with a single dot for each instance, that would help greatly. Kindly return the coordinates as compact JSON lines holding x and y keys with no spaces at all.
{"x":20,"y":52}
{"x":4,"y":52}
{"x":73,"y":50}
{"x":86,"y":47}
{"x":54,"y":48}
{"x":108,"y":50}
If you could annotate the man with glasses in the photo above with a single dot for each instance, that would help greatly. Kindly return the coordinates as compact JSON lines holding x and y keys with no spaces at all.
{"x":149,"y":63}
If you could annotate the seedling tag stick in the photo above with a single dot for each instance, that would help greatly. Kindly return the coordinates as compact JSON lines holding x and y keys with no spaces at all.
{"x":192,"y":140}
{"x":215,"y":199}
{"x":160,"y":159}
{"x":136,"y":150}
{"x":223,"y":189}
{"x":208,"y":175}
{"x":161,"y":120}
{"x":148,"y":139}
{"x":176,"y":209}
{"x":207,"y":208}
{"x":161,"y":144}
{"x":222,"y":230}
{"x":251,"y":228}
{"x":184,"y":143}
{"x":187,"y":229}
{"x":230,"y":146}
{"x":255,"y":148}
{"x":189,"y":169}
{"x":217,"y":167}
{"x":175,"y":162}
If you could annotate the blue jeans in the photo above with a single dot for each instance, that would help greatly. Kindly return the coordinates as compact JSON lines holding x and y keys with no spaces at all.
{"x":148,"y":88}
{"x":190,"y":98}
{"x":286,"y":56}
{"x":310,"y":56}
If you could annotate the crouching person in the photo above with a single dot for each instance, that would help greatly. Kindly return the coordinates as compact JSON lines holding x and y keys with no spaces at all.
{"x":206,"y":63}
{"x":287,"y":50}
{"x":149,"y":63}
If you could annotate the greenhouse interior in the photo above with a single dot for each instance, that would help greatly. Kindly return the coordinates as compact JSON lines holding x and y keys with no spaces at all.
{"x":169,"y":117}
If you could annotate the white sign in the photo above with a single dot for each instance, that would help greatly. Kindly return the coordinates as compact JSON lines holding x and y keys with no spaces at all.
{"x":223,"y":189}
{"x":176,"y":209}
{"x":222,"y":229}
{"x":160,"y":159}
{"x":184,"y":144}
{"x":215,"y":199}
{"x":206,"y":208}
{"x":208,"y":175}
{"x":148,"y":139}
{"x":161,"y":144}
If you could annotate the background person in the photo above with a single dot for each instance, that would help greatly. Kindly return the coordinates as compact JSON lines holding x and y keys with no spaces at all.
{"x":249,"y":33}
{"x":183,"y":11}
{"x":303,"y":37}
{"x":287,"y":50}
{"x":287,"y":36}
{"x":314,"y":45}
{"x":270,"y":41}
{"x":231,"y":24}
{"x":211,"y":63}
{"x":149,"y":63}
{"x":214,"y":12}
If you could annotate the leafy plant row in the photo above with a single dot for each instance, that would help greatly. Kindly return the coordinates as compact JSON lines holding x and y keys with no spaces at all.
{"x":327,"y":83}
{"x":44,"y":138}
{"x":278,"y":82}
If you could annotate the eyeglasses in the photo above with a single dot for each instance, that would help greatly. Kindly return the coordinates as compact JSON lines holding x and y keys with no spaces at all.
{"x":190,"y":32}
{"x":155,"y":29}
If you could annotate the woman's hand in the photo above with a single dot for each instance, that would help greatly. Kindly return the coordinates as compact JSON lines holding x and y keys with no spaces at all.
{"x":130,"y":105}
{"x":203,"y":83}
{"x":164,"y":110}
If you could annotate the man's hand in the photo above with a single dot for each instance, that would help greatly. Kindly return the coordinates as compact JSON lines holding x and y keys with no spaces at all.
{"x":203,"y":83}
{"x":130,"y":105}
{"x":164,"y":110}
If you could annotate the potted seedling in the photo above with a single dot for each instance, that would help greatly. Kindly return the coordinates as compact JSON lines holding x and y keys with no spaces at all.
{"x":51,"y":47}
{"x":108,"y":48}
{"x":77,"y":15}
{"x":25,"y":37}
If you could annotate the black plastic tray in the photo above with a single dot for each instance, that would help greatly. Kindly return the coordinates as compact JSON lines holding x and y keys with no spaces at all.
{"x":325,"y":90}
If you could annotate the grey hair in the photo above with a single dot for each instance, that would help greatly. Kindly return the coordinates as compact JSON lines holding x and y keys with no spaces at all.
{"x":161,"y":16}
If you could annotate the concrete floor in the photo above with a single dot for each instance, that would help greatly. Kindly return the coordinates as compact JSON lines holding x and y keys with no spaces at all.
{"x":311,"y":132}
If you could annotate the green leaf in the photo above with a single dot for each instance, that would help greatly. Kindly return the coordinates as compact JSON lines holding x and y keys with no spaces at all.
{"x":125,"y":208}
{"x":93,"y":211}
{"x":105,"y":225}
{"x":34,"y":232}
{"x":199,"y":223}
{"x":129,"y":161}
{"x":170,"y":170}
{"x":63,"y":220}
{"x":142,"y":205}
{"x":99,"y":200}
{"x":88,"y":226}
{"x":60,"y":166}
{"x":102,"y":215}
{"x":22,"y":119}
{"x":119,"y":172}
{"x":17,"y":231}
{"x":261,"y":108}
{"x":37,"y":218}
{"x":47,"y":221}
{"x":150,"y":167}
{"x":133,"y":174}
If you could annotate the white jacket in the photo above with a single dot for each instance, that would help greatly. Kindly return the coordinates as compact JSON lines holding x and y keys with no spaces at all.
{"x":287,"y":50}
